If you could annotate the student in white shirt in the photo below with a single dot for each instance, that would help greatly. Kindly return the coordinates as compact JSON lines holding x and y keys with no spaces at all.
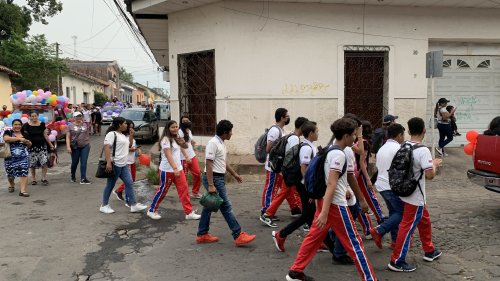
{"x":333,"y":212}
{"x":171,"y":172}
{"x":130,"y":162}
{"x":443,"y":124}
{"x":213,"y":180}
{"x":188,"y":156}
{"x":118,"y":164}
{"x":415,"y":214}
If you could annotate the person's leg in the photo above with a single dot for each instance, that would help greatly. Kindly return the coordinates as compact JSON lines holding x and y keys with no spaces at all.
{"x":449,"y":134}
{"x":307,"y":216}
{"x":395,"y":207}
{"x":370,"y":197}
{"x":293,"y":199}
{"x":84,"y":156}
{"x":23,"y":184}
{"x":366,"y":222}
{"x":33,"y":173}
{"x":411,"y":217}
{"x":442,"y":134}
{"x":182,"y":188}
{"x":283,"y":193}
{"x":44,"y":172}
{"x":126,"y":177}
{"x":165,"y":182}
{"x":194,"y":167}
{"x":268,"y":192}
{"x":425,"y":232}
{"x":75,"y":159}
{"x":11,"y":181}
{"x":132,"y":168}
{"x":226,"y":208}
{"x":110,"y":184}
{"x":204,"y":224}
{"x":339,"y":250}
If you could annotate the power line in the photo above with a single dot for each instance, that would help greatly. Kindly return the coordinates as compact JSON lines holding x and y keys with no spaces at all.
{"x":109,"y":42}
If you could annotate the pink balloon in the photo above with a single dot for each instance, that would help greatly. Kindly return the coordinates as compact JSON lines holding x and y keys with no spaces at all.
{"x":24,"y":119}
{"x":52,"y":138}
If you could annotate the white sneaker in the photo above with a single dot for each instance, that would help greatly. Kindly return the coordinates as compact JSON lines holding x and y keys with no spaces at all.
{"x":153,"y":215}
{"x":368,"y":237}
{"x":138,"y":207}
{"x":106,"y":209}
{"x":439,"y":151}
{"x":193,"y":216}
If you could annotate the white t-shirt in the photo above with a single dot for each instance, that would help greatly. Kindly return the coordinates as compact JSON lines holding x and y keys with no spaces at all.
{"x":422,"y":160}
{"x":190,"y":151}
{"x":440,"y":118}
{"x":122,"y":144}
{"x":272,"y":135}
{"x":384,"y":159}
{"x":307,"y":152}
{"x":131,"y":155}
{"x":175,"y":150}
{"x":351,"y":169}
{"x":291,"y":141}
{"x":86,"y":115}
{"x":335,"y":162}
{"x":216,"y":151}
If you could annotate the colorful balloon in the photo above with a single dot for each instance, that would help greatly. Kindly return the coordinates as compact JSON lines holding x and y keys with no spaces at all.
{"x":469,"y":148}
{"x":472,"y":136}
{"x":144,"y":159}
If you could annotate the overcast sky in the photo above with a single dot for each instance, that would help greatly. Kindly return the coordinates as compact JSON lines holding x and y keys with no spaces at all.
{"x":101,"y":35}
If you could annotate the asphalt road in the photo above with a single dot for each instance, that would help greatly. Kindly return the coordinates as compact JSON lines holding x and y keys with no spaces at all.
{"x":59,"y":234}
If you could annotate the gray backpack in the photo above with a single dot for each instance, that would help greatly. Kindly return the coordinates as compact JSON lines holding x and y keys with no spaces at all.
{"x":401,"y":176}
{"x":260,"y":146}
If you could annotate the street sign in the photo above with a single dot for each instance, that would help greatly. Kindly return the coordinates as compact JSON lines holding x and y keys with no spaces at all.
{"x":434,"y":64}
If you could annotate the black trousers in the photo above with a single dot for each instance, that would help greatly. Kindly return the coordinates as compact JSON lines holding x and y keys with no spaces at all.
{"x":307,"y":216}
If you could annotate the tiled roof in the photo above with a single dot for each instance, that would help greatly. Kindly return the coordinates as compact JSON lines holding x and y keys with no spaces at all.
{"x":9,"y":71}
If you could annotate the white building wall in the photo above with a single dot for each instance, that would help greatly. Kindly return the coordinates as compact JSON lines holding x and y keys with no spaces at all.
{"x":78,"y":87}
{"x":258,"y":60}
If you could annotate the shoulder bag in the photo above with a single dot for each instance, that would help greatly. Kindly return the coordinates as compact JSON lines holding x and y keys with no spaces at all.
{"x":101,"y":167}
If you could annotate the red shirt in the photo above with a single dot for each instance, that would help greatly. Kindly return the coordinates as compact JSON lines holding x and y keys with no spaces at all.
{"x":5,"y":113}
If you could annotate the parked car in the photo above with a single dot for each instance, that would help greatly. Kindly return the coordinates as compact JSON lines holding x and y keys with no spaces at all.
{"x":145,"y":122}
{"x":164,"y":110}
{"x":486,"y":170}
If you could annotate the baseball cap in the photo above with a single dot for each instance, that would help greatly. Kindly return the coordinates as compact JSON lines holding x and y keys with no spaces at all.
{"x":389,"y":118}
{"x":443,"y":100}
{"x":77,"y":113}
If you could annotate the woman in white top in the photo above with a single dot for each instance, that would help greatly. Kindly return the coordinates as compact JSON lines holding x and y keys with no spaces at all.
{"x":188,"y":156}
{"x":116,"y":141}
{"x":443,"y":124}
{"x":130,"y":162}
{"x":171,"y":171}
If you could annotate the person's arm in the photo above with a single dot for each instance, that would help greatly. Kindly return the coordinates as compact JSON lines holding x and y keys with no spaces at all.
{"x":171,"y":161}
{"x":46,"y":137}
{"x":107,"y":156}
{"x":131,"y":137}
{"x":333,"y":177}
{"x":210,"y":176}
{"x":364,"y":170}
{"x":186,"y":156}
{"x":233,"y":173}
{"x":447,"y":115}
{"x":272,"y":135}
{"x":68,"y":141}
{"x":353,"y":183}
{"x":431,"y":173}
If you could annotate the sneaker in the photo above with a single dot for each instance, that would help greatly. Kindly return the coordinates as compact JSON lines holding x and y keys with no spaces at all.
{"x":275,"y":218}
{"x":376,"y":237}
{"x":298,"y":276}
{"x":137,"y":208}
{"x":73,"y":179}
{"x":457,"y":134}
{"x":119,"y":195}
{"x":85,"y":181}
{"x":401,"y":267}
{"x":193,"y":216}
{"x":344,"y":260}
{"x":206,"y":238}
{"x":431,"y":256}
{"x":296,"y":212}
{"x":153,"y":215}
{"x":368,"y":237}
{"x":278,"y":241}
{"x":196,"y":196}
{"x":439,"y":151}
{"x":268,"y":221}
{"x":244,"y":238}
{"x":323,"y":248}
{"x":306,"y":228}
{"x":106,"y":209}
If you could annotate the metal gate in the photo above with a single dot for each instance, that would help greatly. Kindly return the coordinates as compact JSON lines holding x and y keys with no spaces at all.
{"x":197,"y":90}
{"x":364,"y":85}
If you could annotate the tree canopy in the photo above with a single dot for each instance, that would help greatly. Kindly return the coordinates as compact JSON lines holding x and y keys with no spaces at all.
{"x":126,"y":76}
{"x":41,"y":9}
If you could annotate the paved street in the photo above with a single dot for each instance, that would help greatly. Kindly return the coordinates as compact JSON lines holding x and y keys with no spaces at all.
{"x":59,"y":234}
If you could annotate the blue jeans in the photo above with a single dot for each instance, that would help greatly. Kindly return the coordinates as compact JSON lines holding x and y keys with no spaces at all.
{"x":124,"y":174}
{"x":81,"y":155}
{"x":395,"y":207}
{"x":225,"y":209}
{"x":338,"y":250}
{"x":445,"y":131}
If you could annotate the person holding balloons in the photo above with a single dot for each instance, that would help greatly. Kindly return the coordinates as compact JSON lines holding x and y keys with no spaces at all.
{"x":130,"y":161}
{"x":78,"y":146}
{"x":36,"y":132}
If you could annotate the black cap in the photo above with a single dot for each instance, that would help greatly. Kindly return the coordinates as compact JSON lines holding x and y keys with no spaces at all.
{"x":389,"y":118}
{"x":443,"y":100}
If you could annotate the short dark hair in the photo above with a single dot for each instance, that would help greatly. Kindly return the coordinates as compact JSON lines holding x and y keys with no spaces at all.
{"x":307,"y":128}
{"x":353,"y":117}
{"x":394,"y":130}
{"x":342,"y":127}
{"x":300,"y":121}
{"x":224,"y":126}
{"x":280,"y":113}
{"x":416,"y":126}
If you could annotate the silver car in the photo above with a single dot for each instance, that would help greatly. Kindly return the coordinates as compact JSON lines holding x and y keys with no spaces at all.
{"x":145,"y":123}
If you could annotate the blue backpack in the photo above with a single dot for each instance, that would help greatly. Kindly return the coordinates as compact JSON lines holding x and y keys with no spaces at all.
{"x":314,"y":178}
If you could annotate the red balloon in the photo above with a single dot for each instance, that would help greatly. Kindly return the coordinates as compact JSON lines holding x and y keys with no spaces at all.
{"x":469,"y":148}
{"x":472,"y":136}
{"x":144,"y":159}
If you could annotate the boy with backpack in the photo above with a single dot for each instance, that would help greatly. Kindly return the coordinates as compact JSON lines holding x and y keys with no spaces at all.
{"x":406,"y":177}
{"x":274,"y":180}
{"x":276,"y":157}
{"x":332,"y":211}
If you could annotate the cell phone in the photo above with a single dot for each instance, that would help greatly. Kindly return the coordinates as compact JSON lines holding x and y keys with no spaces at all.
{"x":138,"y":146}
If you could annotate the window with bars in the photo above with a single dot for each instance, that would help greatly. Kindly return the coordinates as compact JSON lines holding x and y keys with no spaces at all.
{"x":484,"y":64}
{"x":447,"y":63}
{"x":462,"y":64}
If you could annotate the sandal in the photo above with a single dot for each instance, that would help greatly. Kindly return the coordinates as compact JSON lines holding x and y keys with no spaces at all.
{"x":34,"y":183}
{"x":11,"y":189}
{"x":24,"y":194}
{"x":45,"y":182}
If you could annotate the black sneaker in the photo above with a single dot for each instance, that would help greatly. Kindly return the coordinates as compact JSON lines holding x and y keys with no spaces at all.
{"x":73,"y":179}
{"x":298,"y":276}
{"x":345,"y":260}
{"x":431,"y":256}
{"x":268,"y":221}
{"x":296,"y":212}
{"x":401,"y":267}
{"x":85,"y":181}
{"x":119,"y":195}
{"x":275,"y":218}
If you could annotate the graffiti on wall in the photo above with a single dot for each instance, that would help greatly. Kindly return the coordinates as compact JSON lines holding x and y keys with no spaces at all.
{"x":313,"y":88}
{"x":465,"y":108}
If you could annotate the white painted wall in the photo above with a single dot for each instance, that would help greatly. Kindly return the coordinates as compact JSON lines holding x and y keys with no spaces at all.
{"x":259,"y":59}
{"x":78,"y":87}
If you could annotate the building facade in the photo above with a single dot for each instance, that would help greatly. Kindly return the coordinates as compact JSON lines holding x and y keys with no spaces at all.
{"x":243,"y":59}
{"x":5,"y":85}
{"x":80,"y":88}
{"x":107,"y":71}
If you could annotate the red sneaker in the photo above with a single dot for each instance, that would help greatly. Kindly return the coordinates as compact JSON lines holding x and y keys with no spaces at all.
{"x":278,"y":241}
{"x":244,"y":238}
{"x":377,"y":238}
{"x":206,"y":238}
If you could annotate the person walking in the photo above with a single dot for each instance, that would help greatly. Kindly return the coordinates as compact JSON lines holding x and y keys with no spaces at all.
{"x":96,"y":119}
{"x":443,"y":125}
{"x":17,"y":165}
{"x":171,"y":172}
{"x":86,"y":116}
{"x":116,"y":145}
{"x":213,"y":181}
{"x":130,"y":162}
{"x":78,"y":146}
{"x":188,"y":156}
{"x":415,"y":214}
{"x":36,"y":132}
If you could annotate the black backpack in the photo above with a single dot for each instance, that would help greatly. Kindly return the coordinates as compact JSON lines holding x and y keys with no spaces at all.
{"x":292,"y":174}
{"x":377,"y":140}
{"x":314,"y":178}
{"x":277,"y":153}
{"x":401,"y":177}
{"x":260,"y":146}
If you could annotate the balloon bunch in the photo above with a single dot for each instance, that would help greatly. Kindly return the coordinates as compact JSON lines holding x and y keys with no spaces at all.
{"x":471,"y":136}
{"x":60,"y":126}
{"x":53,"y":135}
{"x":107,"y":111}
{"x":39,"y":97}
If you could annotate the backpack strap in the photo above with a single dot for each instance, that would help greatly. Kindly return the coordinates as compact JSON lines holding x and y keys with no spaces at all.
{"x":417,"y":146}
{"x":279,"y":129}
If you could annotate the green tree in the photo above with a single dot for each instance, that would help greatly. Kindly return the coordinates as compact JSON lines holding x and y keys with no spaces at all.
{"x":41,"y":9}
{"x":125,"y":76}
{"x":13,"y":19}
{"x":100,"y":98}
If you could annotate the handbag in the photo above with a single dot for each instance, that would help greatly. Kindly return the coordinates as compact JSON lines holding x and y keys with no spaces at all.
{"x":211,"y":201}
{"x":5,"y":150}
{"x":73,"y":144}
{"x":53,"y":159}
{"x":101,"y":166}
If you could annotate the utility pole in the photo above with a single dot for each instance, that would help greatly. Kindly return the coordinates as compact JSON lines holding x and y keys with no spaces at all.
{"x":59,"y":89}
{"x":74,"y":45}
